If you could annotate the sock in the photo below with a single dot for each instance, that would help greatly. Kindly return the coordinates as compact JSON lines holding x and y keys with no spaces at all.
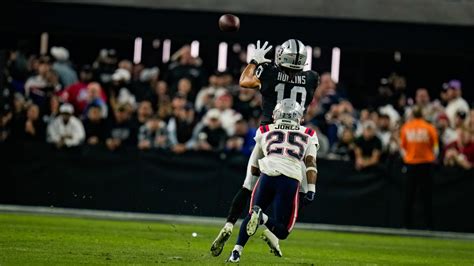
{"x":243,"y":237}
{"x":239,"y":248}
{"x":264,"y":218}
{"x":228,"y":224}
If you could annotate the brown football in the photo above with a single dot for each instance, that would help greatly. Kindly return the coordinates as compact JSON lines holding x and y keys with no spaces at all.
{"x":229,"y":23}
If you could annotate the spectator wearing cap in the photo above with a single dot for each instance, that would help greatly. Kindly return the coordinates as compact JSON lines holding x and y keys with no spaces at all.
{"x":419,"y":148}
{"x":121,"y":130}
{"x":153,"y":134}
{"x":368,"y":147}
{"x":66,"y":130}
{"x":181,"y":127}
{"x":455,"y":101}
{"x":121,"y":94}
{"x":95,"y":125}
{"x":67,"y":75}
{"x":211,"y":136}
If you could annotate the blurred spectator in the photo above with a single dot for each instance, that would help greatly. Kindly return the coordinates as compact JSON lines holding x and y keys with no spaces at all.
{"x":121,"y":132}
{"x":185,"y":66}
{"x":368,"y":147}
{"x":206,"y":96}
{"x":144,"y":86}
{"x":67,"y":75}
{"x":144,"y":112}
{"x":419,"y":147}
{"x":105,"y":65}
{"x":121,"y":93}
{"x":160,"y":100}
{"x":228,"y":116}
{"x":446,"y":134}
{"x":460,"y":119}
{"x":181,"y":127}
{"x":31,"y":128}
{"x":66,"y":130}
{"x":153,"y":134}
{"x":95,"y":126}
{"x":96,"y":97}
{"x":455,"y":101}
{"x":243,"y":139}
{"x":461,"y":152}
{"x":212,"y":137}
{"x":422,"y":100}
{"x":76,"y":94}
{"x":325,"y":97}
{"x":344,"y":148}
{"x":384,"y":132}
{"x":185,"y":89}
{"x":53,"y":109}
{"x":248,"y":103}
{"x":40,"y":87}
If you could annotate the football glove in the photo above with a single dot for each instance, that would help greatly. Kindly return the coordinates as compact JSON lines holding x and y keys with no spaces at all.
{"x":260,"y":52}
{"x":308,"y":198}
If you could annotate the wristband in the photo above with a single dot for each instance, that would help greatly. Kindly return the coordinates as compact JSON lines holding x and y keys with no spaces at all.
{"x":311,"y":168}
{"x":312,"y":187}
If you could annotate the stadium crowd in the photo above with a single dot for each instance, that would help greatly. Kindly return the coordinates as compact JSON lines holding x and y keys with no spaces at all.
{"x":115,"y":103}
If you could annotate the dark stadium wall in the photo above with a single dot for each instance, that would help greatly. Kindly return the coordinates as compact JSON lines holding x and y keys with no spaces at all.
{"x":431,"y":54}
{"x":204,"y":184}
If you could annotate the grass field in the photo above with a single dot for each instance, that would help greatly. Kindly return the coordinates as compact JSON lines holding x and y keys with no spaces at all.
{"x":32,"y":239}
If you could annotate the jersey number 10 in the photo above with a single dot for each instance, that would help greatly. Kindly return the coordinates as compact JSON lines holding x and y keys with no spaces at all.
{"x":280,"y":89}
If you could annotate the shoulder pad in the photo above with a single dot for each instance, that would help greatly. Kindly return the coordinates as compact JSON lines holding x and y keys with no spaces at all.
{"x":264,"y":128}
{"x":309,"y":131}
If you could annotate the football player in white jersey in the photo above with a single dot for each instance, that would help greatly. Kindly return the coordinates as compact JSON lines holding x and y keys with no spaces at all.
{"x":282,"y":146}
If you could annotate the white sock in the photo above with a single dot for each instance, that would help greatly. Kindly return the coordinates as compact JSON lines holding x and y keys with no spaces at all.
{"x":239,"y":248}
{"x":231,"y":225}
{"x":264,"y":218}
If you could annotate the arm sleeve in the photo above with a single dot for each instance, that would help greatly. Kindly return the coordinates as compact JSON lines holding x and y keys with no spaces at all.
{"x":256,"y":155}
{"x":312,"y":150}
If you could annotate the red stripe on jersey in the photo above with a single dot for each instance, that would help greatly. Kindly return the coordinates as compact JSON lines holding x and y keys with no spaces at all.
{"x":309,"y":131}
{"x":267,"y":128}
{"x":262,"y":130}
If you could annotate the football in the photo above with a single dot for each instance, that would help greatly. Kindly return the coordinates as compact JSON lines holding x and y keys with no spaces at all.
{"x":229,"y":23}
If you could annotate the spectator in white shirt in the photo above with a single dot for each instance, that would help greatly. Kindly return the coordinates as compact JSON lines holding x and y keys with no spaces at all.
{"x":66,"y":130}
{"x":455,"y":101}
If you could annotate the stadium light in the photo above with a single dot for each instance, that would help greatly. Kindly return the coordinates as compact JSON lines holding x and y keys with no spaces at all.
{"x":250,"y":50}
{"x":137,"y":51}
{"x":397,"y":56}
{"x":166,"y":50}
{"x":317,"y":52}
{"x":336,"y":63}
{"x":195,"y":49}
{"x":44,"y":43}
{"x":309,"y":58}
{"x":222,"y":57}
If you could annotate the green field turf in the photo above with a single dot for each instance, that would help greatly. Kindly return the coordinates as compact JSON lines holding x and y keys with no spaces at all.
{"x":32,"y":239}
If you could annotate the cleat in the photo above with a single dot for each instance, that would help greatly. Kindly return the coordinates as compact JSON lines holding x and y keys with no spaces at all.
{"x":272,"y":242}
{"x":218,"y":244}
{"x":234,"y":256}
{"x":255,"y":219}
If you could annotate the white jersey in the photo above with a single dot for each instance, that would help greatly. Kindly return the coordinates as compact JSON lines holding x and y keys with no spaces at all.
{"x":283,"y":147}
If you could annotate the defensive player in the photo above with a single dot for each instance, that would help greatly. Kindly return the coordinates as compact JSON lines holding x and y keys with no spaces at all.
{"x":284,"y":146}
{"x":276,"y":81}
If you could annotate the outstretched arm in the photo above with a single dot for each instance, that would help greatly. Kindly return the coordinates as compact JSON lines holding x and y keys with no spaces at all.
{"x":248,"y":79}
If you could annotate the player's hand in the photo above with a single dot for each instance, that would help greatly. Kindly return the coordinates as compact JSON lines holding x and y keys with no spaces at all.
{"x":260,"y":52}
{"x":308,"y":198}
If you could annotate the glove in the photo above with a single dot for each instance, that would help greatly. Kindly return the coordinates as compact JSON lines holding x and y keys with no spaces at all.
{"x":308,"y":198}
{"x":260,"y":52}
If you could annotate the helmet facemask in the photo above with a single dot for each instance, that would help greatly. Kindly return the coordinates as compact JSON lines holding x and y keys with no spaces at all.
{"x":292,"y":55}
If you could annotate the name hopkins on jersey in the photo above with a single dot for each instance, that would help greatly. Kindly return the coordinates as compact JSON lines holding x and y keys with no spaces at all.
{"x":296,"y":79}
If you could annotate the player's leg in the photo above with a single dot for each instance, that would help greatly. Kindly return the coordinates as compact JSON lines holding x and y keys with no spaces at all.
{"x":238,"y":204}
{"x":262,"y":196}
{"x":285,"y":207}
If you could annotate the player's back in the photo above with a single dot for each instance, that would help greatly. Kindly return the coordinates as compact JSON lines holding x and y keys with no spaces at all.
{"x":285,"y":144}
{"x":277,"y":85}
